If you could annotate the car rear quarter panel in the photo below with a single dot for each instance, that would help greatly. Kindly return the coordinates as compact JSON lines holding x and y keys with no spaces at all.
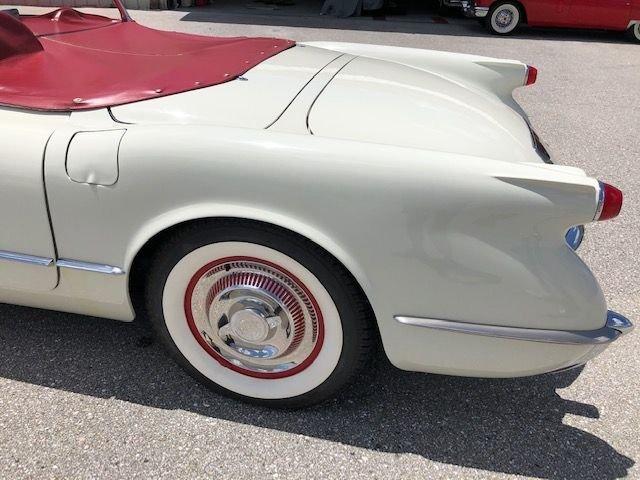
{"x":424,"y":233}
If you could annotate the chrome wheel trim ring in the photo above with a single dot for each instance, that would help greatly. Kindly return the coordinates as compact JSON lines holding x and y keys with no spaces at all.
{"x":505,"y":18}
{"x":254,"y":317}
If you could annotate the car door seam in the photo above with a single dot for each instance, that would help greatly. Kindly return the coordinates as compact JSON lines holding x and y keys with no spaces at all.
{"x":47,"y":207}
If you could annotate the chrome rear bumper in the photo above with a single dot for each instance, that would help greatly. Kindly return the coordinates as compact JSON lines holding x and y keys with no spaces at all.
{"x":615,"y":326}
{"x":574,"y":236}
{"x":618,"y":322}
{"x":470,"y":10}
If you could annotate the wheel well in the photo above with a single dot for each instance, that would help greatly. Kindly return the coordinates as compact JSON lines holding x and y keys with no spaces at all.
{"x":142,"y":261}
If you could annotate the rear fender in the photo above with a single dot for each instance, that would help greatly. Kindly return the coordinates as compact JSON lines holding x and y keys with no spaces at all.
{"x":497,"y":76}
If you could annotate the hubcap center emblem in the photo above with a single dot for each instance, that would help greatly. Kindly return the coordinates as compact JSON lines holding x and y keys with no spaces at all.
{"x":250,"y":325}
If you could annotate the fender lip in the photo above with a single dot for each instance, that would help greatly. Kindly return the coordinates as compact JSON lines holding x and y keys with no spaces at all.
{"x":615,"y":326}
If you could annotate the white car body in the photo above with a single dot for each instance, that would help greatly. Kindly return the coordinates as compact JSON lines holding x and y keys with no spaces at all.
{"x":415,"y":169}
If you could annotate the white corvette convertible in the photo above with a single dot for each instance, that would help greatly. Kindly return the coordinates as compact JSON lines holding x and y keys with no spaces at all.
{"x":277,"y":210}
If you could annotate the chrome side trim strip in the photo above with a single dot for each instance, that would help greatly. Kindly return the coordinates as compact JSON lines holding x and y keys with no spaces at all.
{"x":616,"y":325}
{"x":89,"y":267}
{"x":600,"y":201}
{"x":62,"y":263}
{"x":23,"y":258}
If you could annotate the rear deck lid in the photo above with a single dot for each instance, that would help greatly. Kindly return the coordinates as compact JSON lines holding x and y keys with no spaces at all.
{"x":385,"y":102}
{"x":254,"y":100}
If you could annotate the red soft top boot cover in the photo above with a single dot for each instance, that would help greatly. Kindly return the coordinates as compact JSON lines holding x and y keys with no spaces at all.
{"x":92,"y":62}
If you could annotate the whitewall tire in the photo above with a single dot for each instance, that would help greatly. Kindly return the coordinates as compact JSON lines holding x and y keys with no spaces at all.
{"x":504,"y":18}
{"x":258,"y":313}
{"x":634,"y":32}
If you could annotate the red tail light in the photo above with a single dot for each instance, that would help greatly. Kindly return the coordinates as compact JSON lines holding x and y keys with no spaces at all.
{"x":532,"y":75}
{"x":609,"y":202}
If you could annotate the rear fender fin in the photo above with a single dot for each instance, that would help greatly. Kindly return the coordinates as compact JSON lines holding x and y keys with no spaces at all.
{"x":568,"y":203}
{"x":508,"y":76}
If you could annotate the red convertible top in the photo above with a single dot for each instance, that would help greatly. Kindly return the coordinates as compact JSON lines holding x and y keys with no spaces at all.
{"x":67,"y":60}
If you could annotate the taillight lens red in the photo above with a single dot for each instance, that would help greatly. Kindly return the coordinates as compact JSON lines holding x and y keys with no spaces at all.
{"x":609,"y":202}
{"x":532,"y":75}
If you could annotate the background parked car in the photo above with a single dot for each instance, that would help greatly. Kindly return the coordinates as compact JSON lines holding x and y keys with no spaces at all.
{"x":503,"y":17}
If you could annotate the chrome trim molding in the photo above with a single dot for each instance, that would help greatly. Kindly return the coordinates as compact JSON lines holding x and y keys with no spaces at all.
{"x":600,"y":201}
{"x":61,"y":263}
{"x":23,"y":258}
{"x":89,"y":267}
{"x":566,"y":369}
{"x":616,"y":325}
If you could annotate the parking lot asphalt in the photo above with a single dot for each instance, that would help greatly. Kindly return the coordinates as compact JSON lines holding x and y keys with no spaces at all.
{"x":90,"y":398}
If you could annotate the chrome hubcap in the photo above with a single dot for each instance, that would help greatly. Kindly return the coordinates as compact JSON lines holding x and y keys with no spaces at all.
{"x":254,"y":317}
{"x":504,"y":18}
{"x":249,"y":324}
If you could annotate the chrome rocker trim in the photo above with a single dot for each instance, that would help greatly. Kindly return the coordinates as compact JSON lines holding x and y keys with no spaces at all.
{"x":616,"y":326}
{"x":22,"y":258}
{"x":61,"y":263}
{"x":89,"y":267}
